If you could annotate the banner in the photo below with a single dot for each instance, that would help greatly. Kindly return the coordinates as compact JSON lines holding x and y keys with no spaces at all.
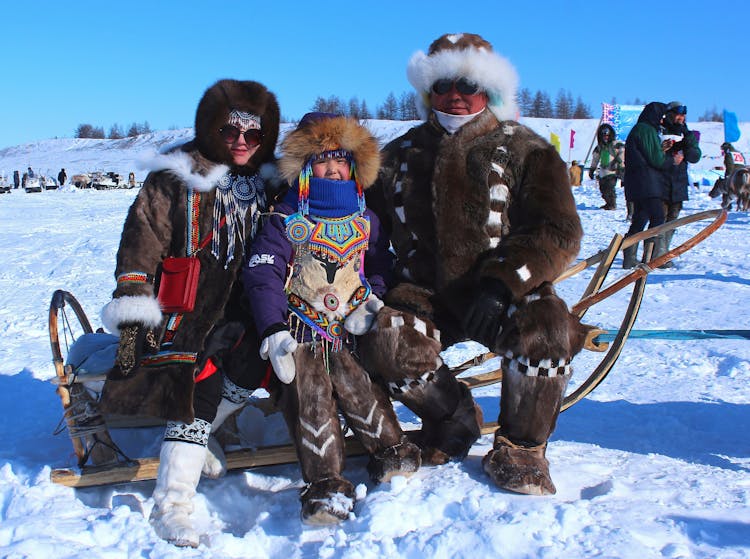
{"x":731,"y":127}
{"x":621,"y":117}
{"x":554,"y":139}
{"x":572,"y":139}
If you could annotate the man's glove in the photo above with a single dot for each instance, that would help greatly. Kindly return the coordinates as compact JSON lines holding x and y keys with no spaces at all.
{"x":360,"y":319}
{"x":487,"y":311}
{"x":135,"y":341}
{"x":278,"y":348}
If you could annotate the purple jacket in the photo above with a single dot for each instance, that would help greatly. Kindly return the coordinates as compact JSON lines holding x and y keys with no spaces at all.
{"x":265,"y":270}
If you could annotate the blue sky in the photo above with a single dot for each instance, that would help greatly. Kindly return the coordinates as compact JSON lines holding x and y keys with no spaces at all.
{"x":99,"y":62}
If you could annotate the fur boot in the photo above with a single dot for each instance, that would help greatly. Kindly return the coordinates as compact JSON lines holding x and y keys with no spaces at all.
{"x":402,"y":459}
{"x":180,"y":465}
{"x":327,"y":501}
{"x":529,"y":407}
{"x":405,"y":352}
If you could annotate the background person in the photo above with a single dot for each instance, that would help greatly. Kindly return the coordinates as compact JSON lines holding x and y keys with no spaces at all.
{"x":674,"y":124}
{"x":608,"y":158}
{"x":647,"y":176}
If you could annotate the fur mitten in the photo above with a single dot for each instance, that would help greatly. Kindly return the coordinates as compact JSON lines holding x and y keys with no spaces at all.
{"x":279,"y":348}
{"x":542,"y":328}
{"x":360,"y":320}
{"x":400,"y":345}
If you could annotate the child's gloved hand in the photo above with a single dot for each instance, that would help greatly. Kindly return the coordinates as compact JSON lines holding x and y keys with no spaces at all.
{"x":360,"y":320}
{"x":278,"y":348}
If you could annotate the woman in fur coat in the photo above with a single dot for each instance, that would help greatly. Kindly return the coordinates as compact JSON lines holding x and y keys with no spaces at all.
{"x":200,"y":200}
{"x":314,"y":278}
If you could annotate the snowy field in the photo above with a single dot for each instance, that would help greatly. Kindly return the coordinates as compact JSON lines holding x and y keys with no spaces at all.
{"x":654,"y":463}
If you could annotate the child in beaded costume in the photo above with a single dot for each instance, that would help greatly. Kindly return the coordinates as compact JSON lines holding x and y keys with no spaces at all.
{"x":313,"y":278}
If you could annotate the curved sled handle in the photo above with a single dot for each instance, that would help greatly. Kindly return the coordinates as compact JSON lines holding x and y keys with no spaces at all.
{"x":642,"y":270}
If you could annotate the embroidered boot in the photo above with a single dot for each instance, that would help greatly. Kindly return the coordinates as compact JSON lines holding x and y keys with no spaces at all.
{"x":529,"y":406}
{"x":180,"y":462}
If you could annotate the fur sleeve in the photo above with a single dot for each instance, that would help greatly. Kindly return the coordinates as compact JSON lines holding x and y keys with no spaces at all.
{"x":545,"y":231}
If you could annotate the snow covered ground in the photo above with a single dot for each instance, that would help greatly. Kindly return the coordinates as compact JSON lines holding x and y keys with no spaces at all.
{"x":654,"y":463}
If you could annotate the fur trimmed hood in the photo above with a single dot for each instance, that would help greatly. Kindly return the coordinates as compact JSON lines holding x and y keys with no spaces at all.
{"x":213,"y":112}
{"x":470,"y":56}
{"x":326,"y":133}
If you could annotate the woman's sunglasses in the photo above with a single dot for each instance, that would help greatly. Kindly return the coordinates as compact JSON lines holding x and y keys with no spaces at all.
{"x":230,"y":133}
{"x":462,"y":85}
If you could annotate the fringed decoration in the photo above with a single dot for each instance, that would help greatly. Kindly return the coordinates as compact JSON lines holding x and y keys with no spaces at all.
{"x":235,"y":196}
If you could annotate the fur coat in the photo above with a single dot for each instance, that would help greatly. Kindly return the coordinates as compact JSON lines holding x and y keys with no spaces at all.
{"x":492,"y":200}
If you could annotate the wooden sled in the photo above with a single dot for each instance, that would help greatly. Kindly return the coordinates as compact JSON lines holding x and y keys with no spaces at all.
{"x":100,"y":462}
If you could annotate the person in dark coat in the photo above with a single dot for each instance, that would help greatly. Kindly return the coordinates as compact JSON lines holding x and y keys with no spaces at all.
{"x":482,"y":219}
{"x":61,"y":177}
{"x":674,"y":124}
{"x":647,"y":175}
{"x":16,"y":179}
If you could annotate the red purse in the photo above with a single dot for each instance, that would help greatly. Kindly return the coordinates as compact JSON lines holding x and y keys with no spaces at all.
{"x":178,"y":284}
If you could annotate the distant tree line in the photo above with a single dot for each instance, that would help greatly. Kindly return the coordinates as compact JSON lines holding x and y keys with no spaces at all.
{"x":115,"y":131}
{"x":404,"y":107}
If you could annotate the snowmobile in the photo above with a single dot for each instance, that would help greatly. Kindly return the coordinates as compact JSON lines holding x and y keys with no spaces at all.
{"x":82,"y":359}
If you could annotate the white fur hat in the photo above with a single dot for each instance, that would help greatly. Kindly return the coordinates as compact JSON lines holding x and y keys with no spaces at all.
{"x":469,"y":56}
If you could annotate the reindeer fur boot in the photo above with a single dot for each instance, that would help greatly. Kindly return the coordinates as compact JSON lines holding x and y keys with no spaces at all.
{"x":402,"y":459}
{"x":529,"y":407}
{"x":327,"y":501}
{"x":404,"y":351}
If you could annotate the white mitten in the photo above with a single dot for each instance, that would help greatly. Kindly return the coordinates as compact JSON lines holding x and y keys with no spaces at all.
{"x":278,"y":348}
{"x":360,"y":320}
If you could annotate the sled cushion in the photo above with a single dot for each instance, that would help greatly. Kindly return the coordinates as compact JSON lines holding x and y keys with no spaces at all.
{"x":93,"y":354}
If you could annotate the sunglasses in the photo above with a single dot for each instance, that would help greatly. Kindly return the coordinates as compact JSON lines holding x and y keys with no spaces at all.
{"x":230,"y":133}
{"x":681,"y":110}
{"x":462,"y":85}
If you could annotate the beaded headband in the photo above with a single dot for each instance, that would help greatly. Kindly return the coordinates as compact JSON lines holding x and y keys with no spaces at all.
{"x":243,"y":120}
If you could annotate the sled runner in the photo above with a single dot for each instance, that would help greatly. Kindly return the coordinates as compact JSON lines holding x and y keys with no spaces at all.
{"x":82,"y":358}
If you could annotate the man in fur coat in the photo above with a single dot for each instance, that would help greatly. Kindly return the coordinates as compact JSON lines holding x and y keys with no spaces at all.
{"x":200,"y":200}
{"x":314,"y":277}
{"x":481,"y":216}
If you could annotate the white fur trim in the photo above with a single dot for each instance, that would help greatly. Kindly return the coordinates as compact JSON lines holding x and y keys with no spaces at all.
{"x":180,"y":164}
{"x":523,"y":273}
{"x":142,"y":309}
{"x":495,"y":74}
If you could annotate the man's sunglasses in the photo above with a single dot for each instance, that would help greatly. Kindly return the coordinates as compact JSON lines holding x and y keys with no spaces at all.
{"x":681,"y":110}
{"x":462,"y":85}
{"x":230,"y":133}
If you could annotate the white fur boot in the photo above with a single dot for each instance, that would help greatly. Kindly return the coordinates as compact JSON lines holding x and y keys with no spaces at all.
{"x":180,"y":464}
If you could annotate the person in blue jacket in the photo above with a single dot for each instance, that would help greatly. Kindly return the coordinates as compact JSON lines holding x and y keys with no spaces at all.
{"x":314,"y":278}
